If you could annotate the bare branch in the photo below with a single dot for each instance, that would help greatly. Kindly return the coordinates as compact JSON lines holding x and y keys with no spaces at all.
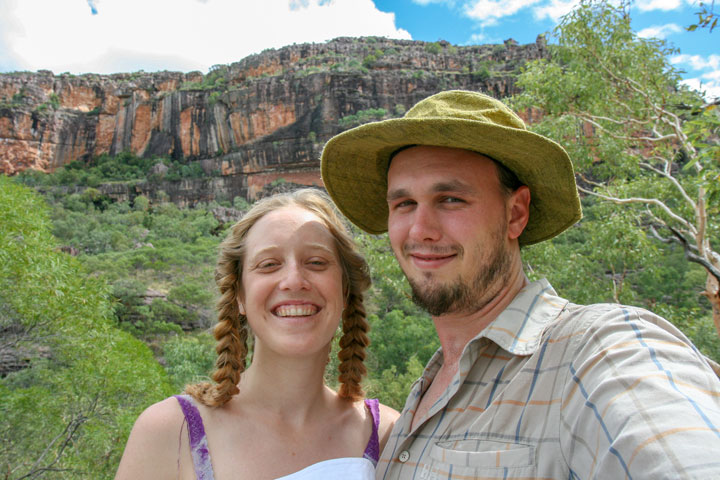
{"x":646,"y":201}
{"x":587,"y":180}
{"x":663,"y":138}
{"x":690,"y":256}
{"x":674,"y":181}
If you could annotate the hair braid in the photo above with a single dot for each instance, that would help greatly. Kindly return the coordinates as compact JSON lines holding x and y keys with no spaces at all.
{"x":352,"y":349}
{"x":231,"y":333}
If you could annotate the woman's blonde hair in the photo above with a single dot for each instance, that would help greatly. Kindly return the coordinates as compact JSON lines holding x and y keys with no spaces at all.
{"x":232,"y":330}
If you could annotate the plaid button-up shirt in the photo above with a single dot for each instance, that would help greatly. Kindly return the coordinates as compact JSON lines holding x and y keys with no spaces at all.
{"x":555,"y":390}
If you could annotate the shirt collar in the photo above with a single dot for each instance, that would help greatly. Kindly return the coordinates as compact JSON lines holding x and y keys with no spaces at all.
{"x":518,"y":329}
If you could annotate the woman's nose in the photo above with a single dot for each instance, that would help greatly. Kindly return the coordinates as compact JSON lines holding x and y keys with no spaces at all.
{"x":294,"y":277}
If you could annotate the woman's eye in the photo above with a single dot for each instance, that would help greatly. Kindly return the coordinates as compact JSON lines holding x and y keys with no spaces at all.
{"x":267,"y":264}
{"x":318,"y":262}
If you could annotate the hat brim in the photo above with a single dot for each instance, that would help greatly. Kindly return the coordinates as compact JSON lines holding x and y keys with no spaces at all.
{"x":354,"y":168}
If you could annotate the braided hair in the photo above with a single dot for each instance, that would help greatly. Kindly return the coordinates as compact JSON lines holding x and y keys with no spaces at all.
{"x":232,"y":329}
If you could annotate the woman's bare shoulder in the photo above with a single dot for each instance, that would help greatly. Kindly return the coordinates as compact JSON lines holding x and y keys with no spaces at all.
{"x":388,"y":417}
{"x":152,"y":448}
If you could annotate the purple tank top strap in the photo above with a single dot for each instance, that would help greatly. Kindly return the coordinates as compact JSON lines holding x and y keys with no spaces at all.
{"x":372,"y":451}
{"x":198,"y":440}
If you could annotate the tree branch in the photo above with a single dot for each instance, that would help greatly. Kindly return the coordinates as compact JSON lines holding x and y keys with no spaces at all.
{"x":646,"y":201}
{"x":690,"y":256}
{"x":674,"y":181}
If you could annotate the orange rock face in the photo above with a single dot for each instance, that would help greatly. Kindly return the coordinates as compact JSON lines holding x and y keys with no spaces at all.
{"x":257,"y":120}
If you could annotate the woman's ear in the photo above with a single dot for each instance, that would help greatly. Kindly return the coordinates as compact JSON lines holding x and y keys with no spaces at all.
{"x":241,"y":307}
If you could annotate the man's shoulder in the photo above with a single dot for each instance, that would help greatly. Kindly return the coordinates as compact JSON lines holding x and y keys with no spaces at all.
{"x":604,"y":313}
{"x":613,"y":326}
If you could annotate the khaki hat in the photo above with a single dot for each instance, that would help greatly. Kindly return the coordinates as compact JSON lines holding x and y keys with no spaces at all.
{"x":354,"y":163}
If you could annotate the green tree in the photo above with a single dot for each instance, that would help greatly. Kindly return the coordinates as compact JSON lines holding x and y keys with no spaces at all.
{"x":67,"y":411}
{"x":638,"y":138}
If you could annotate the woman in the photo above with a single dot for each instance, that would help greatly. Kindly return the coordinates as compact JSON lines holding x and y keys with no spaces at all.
{"x":287,"y":272}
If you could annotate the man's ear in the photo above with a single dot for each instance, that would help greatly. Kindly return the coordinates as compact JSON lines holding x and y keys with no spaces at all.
{"x":518,"y":211}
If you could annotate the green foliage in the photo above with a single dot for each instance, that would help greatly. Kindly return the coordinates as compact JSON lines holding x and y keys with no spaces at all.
{"x":396,"y":337}
{"x":645,"y":149}
{"x":482,"y":73}
{"x":69,"y":413}
{"x":707,"y":18}
{"x":216,"y":79}
{"x":369,"y":61}
{"x":362,"y":116}
{"x":498,"y":49}
{"x":239,"y":203}
{"x":393,"y":387}
{"x":433,"y":48}
{"x":54,"y":101}
{"x":124,"y":167}
{"x":189,"y":359}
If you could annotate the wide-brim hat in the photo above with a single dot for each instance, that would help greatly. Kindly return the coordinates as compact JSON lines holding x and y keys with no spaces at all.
{"x":354,"y":163}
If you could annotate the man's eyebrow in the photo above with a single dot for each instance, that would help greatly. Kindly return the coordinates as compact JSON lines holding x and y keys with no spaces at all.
{"x":397,"y":193}
{"x":450,"y":186}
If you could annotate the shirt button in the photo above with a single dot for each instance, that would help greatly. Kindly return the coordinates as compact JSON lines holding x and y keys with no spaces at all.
{"x":404,"y":456}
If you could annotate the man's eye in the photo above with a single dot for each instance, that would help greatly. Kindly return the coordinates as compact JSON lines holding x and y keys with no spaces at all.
{"x":404,"y":203}
{"x":453,"y":200}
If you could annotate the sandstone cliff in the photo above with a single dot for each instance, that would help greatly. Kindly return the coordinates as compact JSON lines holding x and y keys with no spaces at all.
{"x":263,"y":118}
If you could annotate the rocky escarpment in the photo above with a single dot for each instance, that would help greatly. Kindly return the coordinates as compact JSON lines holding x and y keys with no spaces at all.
{"x":254,"y":122}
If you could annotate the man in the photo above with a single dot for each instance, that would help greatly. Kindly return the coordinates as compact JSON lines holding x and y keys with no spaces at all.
{"x":525,"y":384}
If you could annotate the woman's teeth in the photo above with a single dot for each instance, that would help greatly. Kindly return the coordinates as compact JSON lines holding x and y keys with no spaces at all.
{"x":295,"y":310}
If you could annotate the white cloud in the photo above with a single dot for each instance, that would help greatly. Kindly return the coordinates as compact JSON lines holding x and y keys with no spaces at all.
{"x":476,"y":39}
{"x":705,"y":71}
{"x":489,"y":11}
{"x":554,"y":9}
{"x":710,"y":90}
{"x":171,"y":34}
{"x":660,"y":31}
{"x":697,"y":62}
{"x":664,"y":5}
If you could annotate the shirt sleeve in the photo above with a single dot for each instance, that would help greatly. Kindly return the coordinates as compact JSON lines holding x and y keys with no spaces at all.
{"x":640,"y":401}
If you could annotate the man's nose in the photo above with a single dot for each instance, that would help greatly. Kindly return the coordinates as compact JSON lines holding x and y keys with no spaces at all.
{"x":425,"y":225}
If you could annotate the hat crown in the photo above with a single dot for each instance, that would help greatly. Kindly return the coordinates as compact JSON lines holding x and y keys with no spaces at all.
{"x":457,"y":104}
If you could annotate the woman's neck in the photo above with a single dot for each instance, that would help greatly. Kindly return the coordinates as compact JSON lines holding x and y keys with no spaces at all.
{"x":290,"y":388}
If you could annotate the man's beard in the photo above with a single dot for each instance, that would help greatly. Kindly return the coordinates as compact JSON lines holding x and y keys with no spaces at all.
{"x":472,"y":296}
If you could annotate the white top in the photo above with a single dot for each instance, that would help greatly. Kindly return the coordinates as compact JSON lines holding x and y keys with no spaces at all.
{"x":350,"y":468}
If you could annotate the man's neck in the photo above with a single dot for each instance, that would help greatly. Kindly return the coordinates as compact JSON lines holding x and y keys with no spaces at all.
{"x":456,"y":329}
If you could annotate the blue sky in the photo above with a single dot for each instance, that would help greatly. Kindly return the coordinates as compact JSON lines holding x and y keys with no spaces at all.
{"x":107,"y":36}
